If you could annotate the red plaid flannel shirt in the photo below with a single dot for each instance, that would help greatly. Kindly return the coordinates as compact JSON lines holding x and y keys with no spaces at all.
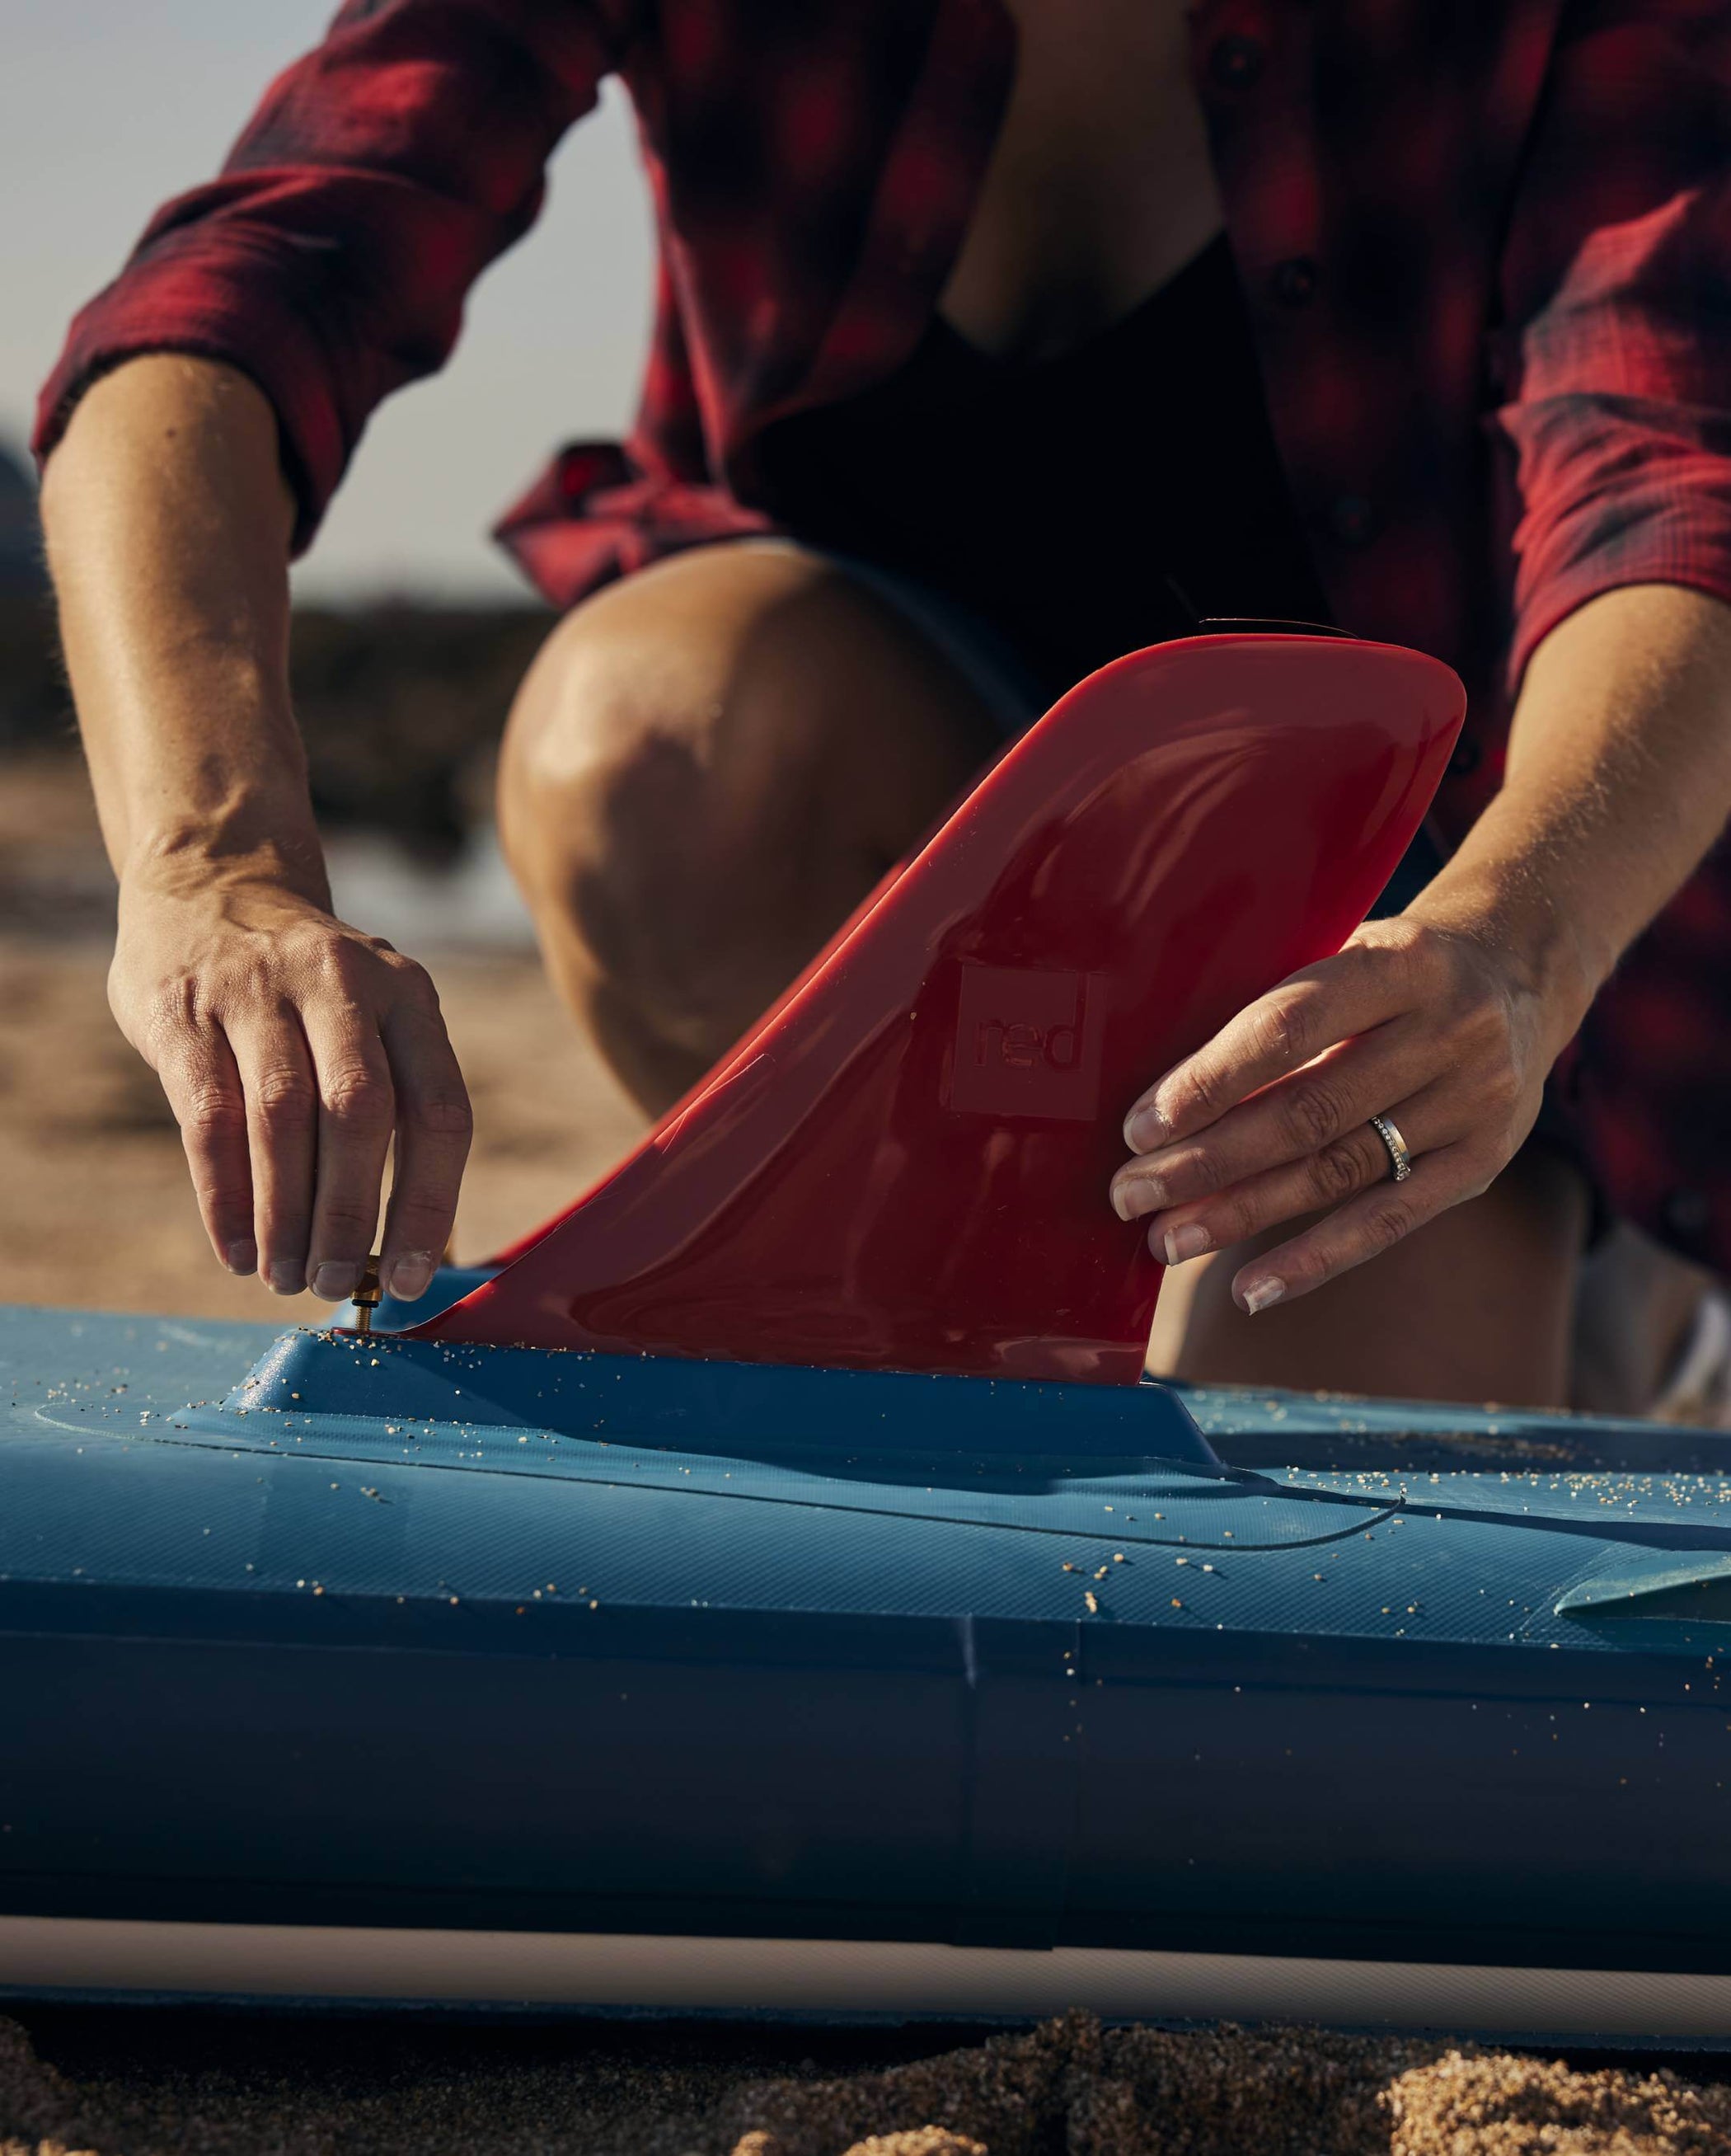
{"x":1487,"y":252}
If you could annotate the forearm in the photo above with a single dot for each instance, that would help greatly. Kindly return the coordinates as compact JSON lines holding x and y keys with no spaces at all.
{"x":1619,"y":780}
{"x":167,"y":521}
{"x":295,"y":1051}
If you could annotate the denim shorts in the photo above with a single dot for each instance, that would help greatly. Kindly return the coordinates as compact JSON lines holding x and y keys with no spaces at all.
{"x":1015,"y":698}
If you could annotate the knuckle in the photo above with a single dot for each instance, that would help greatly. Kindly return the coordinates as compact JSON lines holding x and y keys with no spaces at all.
{"x":1399,"y":940}
{"x":1338,"y":1169}
{"x":170,"y":1013}
{"x":341,"y":966}
{"x":1386,"y":1223}
{"x":226,"y":1209}
{"x":1232,"y":1218}
{"x":1500,"y":1090}
{"x":212,"y":1113}
{"x":1306,"y":1265}
{"x":337,"y":958}
{"x":1195,"y":1174}
{"x":1311,"y":1114}
{"x":1284,"y":1030}
{"x":1199,"y":1096}
{"x":221,"y":1176}
{"x":445,"y":1113}
{"x":414,"y":983}
{"x":358,"y":1097}
{"x":422,"y":1223}
{"x":346,"y":1220}
{"x":284,"y":1099}
{"x":1477,"y":1027}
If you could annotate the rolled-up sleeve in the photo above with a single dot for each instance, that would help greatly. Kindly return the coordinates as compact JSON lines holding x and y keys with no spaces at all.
{"x":331,"y":259}
{"x":1616,"y":302}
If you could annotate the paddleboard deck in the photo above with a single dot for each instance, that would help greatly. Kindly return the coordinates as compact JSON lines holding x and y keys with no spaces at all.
{"x":708,"y":1691}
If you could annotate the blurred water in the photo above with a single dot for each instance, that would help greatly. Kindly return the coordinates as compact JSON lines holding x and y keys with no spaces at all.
{"x":471,"y":906}
{"x":55,"y":881}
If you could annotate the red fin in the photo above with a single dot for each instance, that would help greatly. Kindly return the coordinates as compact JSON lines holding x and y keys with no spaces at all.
{"x":904,"y":1165}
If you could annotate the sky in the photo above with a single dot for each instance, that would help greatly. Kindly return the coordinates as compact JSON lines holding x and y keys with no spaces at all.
{"x":108,"y":106}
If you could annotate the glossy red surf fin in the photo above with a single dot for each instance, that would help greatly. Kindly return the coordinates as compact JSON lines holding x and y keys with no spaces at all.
{"x":904,"y":1165}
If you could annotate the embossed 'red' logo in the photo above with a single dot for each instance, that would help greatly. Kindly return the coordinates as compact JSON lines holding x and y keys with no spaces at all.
{"x":1028,"y":1043}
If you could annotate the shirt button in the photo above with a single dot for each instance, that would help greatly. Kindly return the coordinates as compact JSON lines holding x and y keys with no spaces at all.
{"x":1351,"y":519}
{"x":1686,"y":1215}
{"x":1236,"y":62}
{"x":1295,"y":283}
{"x":1466,"y":760}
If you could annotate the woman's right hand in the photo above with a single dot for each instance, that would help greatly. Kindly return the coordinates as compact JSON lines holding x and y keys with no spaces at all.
{"x":292,"y":1049}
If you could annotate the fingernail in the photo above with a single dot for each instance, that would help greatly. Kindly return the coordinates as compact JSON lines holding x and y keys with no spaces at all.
{"x":1189,"y":1241}
{"x":285,"y":1277}
{"x":241,"y":1256}
{"x":1258,"y":1294}
{"x":336,"y":1283}
{"x":1146,"y":1127}
{"x":1138,"y":1195}
{"x":409,"y":1276}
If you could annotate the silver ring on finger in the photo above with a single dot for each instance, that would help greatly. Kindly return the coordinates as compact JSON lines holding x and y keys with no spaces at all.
{"x":1400,"y":1159}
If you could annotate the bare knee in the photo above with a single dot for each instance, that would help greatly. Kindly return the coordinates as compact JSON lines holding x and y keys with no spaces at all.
{"x":702,"y":777}
{"x":640,"y":857}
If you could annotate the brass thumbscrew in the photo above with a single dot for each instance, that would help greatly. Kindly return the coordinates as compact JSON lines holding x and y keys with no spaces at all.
{"x":367,"y":1297}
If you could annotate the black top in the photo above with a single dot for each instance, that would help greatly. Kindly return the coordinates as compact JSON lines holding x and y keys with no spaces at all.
{"x":1055,"y":501}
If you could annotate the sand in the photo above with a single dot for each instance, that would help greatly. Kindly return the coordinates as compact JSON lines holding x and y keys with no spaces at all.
{"x":214,"y":2084}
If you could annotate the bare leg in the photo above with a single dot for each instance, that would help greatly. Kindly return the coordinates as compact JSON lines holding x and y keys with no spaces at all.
{"x":1477,"y":1306}
{"x":707,"y":768}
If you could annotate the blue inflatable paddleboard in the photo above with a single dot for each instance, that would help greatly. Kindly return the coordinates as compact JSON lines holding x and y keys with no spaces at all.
{"x":351,"y":1668}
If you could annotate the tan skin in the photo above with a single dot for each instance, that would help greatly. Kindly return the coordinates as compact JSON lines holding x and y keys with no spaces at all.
{"x":292,"y":1049}
{"x":710,"y":764}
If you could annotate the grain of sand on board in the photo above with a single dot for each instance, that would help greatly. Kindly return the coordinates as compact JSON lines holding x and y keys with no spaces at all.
{"x":208,"y":2085}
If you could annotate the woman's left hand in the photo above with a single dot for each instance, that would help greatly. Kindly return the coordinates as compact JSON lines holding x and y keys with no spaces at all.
{"x":1433,"y":1026}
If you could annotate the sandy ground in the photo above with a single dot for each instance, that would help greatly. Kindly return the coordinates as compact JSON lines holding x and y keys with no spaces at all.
{"x":209,"y":2085}
{"x":96,"y":1211}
